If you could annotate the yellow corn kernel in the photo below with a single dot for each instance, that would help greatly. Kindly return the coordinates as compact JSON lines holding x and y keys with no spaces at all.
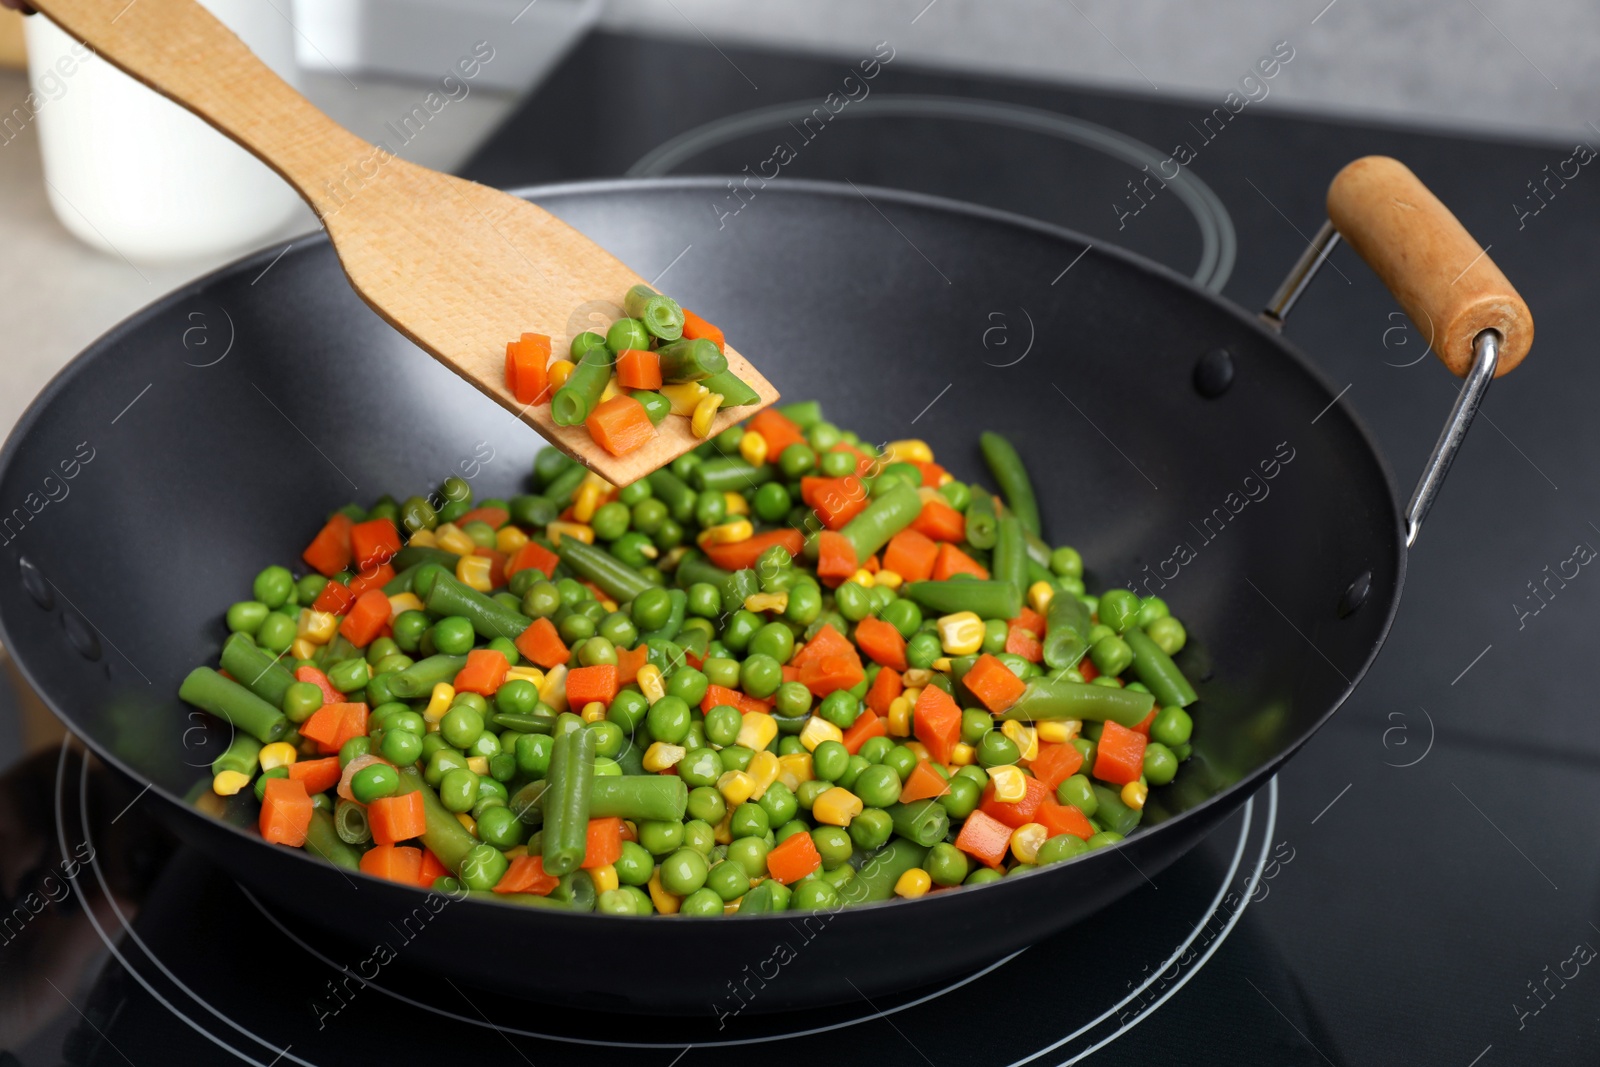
{"x":1040,"y":595}
{"x":759,"y":602}
{"x":1025,"y":737}
{"x":960,"y":634}
{"x":452,"y":538}
{"x":300,"y":648}
{"x":478,"y":765}
{"x":763,"y":771}
{"x":432,"y":727}
{"x":1134,"y":794}
{"x":900,"y":717}
{"x":556,"y":373}
{"x":591,"y":478}
{"x":610,"y":390}
{"x":705,"y":414}
{"x":553,"y":690}
{"x":837,"y":807}
{"x":403,"y":602}
{"x":1010,"y":784}
{"x":318,"y":627}
{"x":864,"y":578}
{"x":888,"y":579}
{"x":508,"y":539}
{"x":757,"y":730}
{"x":476,"y":572}
{"x":468,"y":822}
{"x":684,"y":396}
{"x":817,"y":730}
{"x":650,"y":684}
{"x":227,"y":783}
{"x":593,"y":711}
{"x":753,"y":447}
{"x":278,"y":754}
{"x":665,"y":902}
{"x":422,"y":539}
{"x":670,"y":561}
{"x":737,"y":504}
{"x":439,"y":701}
{"x":526,"y":674}
{"x":735,"y":787}
{"x":794,"y":769}
{"x":912,"y":695}
{"x":1058,"y":731}
{"x":731,"y":533}
{"x":649,"y":551}
{"x":942,"y":664}
{"x":211,"y":804}
{"x":1026,"y":839}
{"x":607,"y":603}
{"x":945,"y":478}
{"x":928,"y":492}
{"x":962,"y":755}
{"x":603,"y":877}
{"x":916,"y":678}
{"x":911,"y":450}
{"x":913,"y":884}
{"x":917,"y":748}
{"x":585,"y":501}
{"x":660,"y":756}
{"x":575,"y":530}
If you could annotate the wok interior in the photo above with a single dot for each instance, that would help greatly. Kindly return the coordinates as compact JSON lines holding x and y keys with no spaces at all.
{"x":271,"y":403}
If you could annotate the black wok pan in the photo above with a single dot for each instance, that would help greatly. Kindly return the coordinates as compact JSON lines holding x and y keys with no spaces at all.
{"x":207,"y":435}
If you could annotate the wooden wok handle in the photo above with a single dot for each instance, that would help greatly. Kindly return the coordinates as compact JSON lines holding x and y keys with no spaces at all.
{"x":1446,"y":282}
{"x":183,"y":52}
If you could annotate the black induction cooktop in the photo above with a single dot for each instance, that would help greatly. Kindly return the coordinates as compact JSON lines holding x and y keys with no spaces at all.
{"x":1421,"y":885}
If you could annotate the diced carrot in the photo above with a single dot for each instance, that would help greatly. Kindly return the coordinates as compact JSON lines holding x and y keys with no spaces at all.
{"x":1087,"y":668}
{"x":985,"y":839}
{"x":1143,"y":726}
{"x":717,"y":695}
{"x":496,"y":517}
{"x":588,"y":684}
{"x":526,"y":875}
{"x":629,"y":660}
{"x":497,"y":564}
{"x":827,"y":671}
{"x":826,"y":641}
{"x":1055,"y":764}
{"x":932,"y":474}
{"x":484,"y":672}
{"x":542,"y":644}
{"x":885,"y":687}
{"x":393,"y":863}
{"x":331,"y":725}
{"x":1063,"y":819}
{"x":1031,"y":621}
{"x":882,"y":642}
{"x":285,"y":812}
{"x":993,"y":683}
{"x":433,"y":868}
{"x":778,"y":430}
{"x":1014,"y":814}
{"x":1119,"y":756}
{"x":923,"y":782}
{"x":1021,"y":642}
{"x":335,"y":598}
{"x":742,"y":554}
{"x":835,"y":500}
{"x":936,"y":722}
{"x":330,"y":695}
{"x":329,"y":551}
{"x":695,"y":328}
{"x":369,"y":615}
{"x":940,"y":522}
{"x":371,"y":578}
{"x":836,"y":558}
{"x":373,"y":542}
{"x":638,"y":369}
{"x":794,"y":858}
{"x":603,"y":843}
{"x":534,"y":555}
{"x":954,"y":561}
{"x":527,"y":360}
{"x":317,"y":775}
{"x":911,"y":555}
{"x":620,"y":425}
{"x":398,"y":818}
{"x":867,"y":726}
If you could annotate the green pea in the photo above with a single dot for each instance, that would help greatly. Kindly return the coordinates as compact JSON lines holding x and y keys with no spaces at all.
{"x":710,"y":508}
{"x":995,"y":749}
{"x":1061,"y":847}
{"x":609,"y":740}
{"x":1119,"y":609}
{"x":1103,"y":839}
{"x":702,"y":902}
{"x":903,"y":615}
{"x":705,"y":600}
{"x":871,"y":829}
{"x":517,"y":697}
{"x":995,"y":632}
{"x":901,"y":760}
{"x":483,"y":867}
{"x":760,"y":676}
{"x":839,"y":464}
{"x":962,"y":799}
{"x":628,"y":709}
{"x":1111,"y":655}
{"x":689,"y":685}
{"x":813,"y":894}
{"x":246,"y":616}
{"x":780,"y":803}
{"x":722,"y":671}
{"x":706,"y":804}
{"x":1168,"y":634}
{"x":391,"y":665}
{"x":668,"y":535}
{"x":946,"y":864}
{"x":741,"y":628}
{"x":736,"y":757}
{"x":878,"y":747}
{"x":597,"y":652}
{"x":775,"y":640}
{"x":834,"y":845}
{"x":922,"y":649}
{"x":652,"y":608}
{"x":771,"y":502}
{"x":373,"y":782}
{"x":983,"y":876}
{"x":542,"y":600}
{"x":350,"y":675}
{"x":276,"y":632}
{"x":828,"y":760}
{"x":409,"y":626}
{"x":1078,"y":792}
{"x":401,"y":747}
{"x":273,"y":586}
{"x":809,"y":791}
{"x":878,"y":786}
{"x":749,"y":820}
{"x":499,"y":826}
{"x":700,"y":767}
{"x":852,"y":771}
{"x":301,"y":701}
{"x":841,"y":708}
{"x":574,"y":628}
{"x":668,"y":719}
{"x":659,"y":837}
{"x":722,"y":725}
{"x":1172,"y":726}
{"x":648,"y":515}
{"x":728,"y":880}
{"x":796,"y":460}
{"x":853,"y":600}
{"x":683,"y":872}
{"x":792,"y":700}
{"x":458,"y":790}
{"x":432,"y":743}
{"x":461,"y":725}
{"x":1160,"y":765}
{"x":356,"y":746}
{"x":454,"y":636}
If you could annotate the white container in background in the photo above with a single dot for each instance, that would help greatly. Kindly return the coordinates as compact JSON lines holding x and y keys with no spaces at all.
{"x":134,"y":174}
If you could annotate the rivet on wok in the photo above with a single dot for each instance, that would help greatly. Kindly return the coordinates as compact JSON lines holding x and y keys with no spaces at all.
{"x":34,"y":584}
{"x":1356,"y":595}
{"x":81,"y":635}
{"x":1213,"y":373}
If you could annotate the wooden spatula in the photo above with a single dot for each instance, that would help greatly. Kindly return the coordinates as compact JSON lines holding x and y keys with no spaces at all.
{"x":457,"y":267}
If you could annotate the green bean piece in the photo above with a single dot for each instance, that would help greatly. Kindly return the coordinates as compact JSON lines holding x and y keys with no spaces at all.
{"x":1113,"y":814}
{"x":1046,"y":699}
{"x":923,"y":821}
{"x":657,"y":797}
{"x":875,"y":881}
{"x":256,"y":669}
{"x":694,"y":568}
{"x":401,"y":582}
{"x":559,"y":492}
{"x":1157,"y":671}
{"x":242,"y":755}
{"x":419,"y":679}
{"x":525,"y":900}
{"x":581,"y":391}
{"x":1006,"y":466}
{"x":722,"y":474}
{"x":882,"y":519}
{"x":529,"y":510}
{"x":982,"y":523}
{"x":661,"y":315}
{"x":674,"y":493}
{"x":1010,"y":562}
{"x":1066,"y":636}
{"x":618,"y":580}
{"x":350,"y":823}
{"x":656,"y":406}
{"x":990,"y":600}
{"x":733,"y":390}
{"x":803,"y":413}
{"x":1038,"y":553}
{"x":488,"y":616}
{"x":322,"y":839}
{"x":690,"y":361}
{"x":566,"y":801}
{"x":442,"y":832}
{"x":551,"y":462}
{"x":228,"y":700}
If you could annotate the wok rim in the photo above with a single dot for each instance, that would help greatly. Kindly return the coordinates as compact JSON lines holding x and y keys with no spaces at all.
{"x":1229,"y":797}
